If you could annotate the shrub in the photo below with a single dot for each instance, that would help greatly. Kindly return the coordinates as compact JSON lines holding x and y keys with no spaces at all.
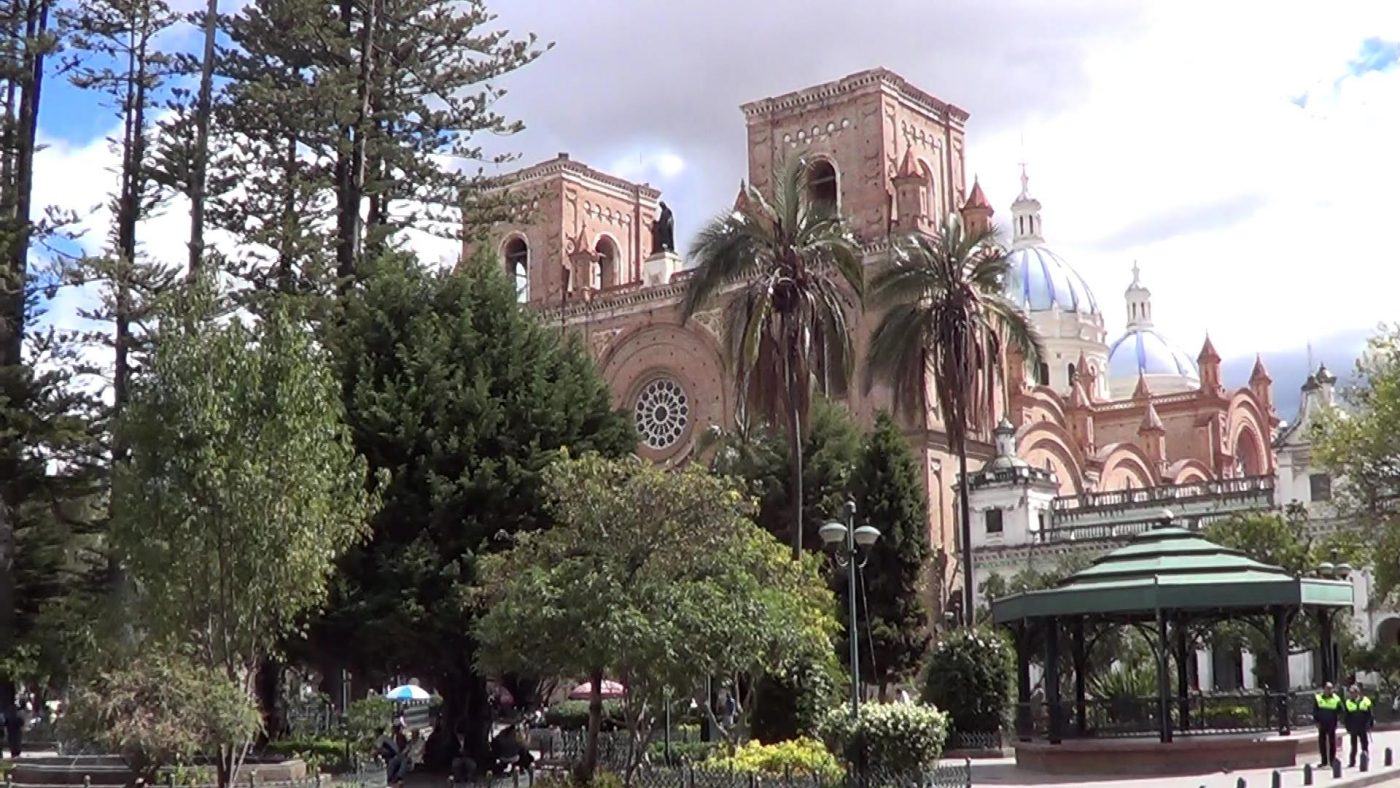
{"x":366,"y":720}
{"x":970,"y":673}
{"x":157,"y":710}
{"x":319,"y":754}
{"x":802,"y":757}
{"x":572,"y":715}
{"x":888,"y":738}
{"x":681,"y":751}
{"x":790,"y":702}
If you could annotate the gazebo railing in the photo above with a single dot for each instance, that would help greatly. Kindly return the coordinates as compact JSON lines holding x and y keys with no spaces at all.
{"x":1198,"y":715}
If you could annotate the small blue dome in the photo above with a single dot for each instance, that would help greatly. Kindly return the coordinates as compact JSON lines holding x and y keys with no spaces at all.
{"x":1040,"y":280}
{"x":1143,"y":350}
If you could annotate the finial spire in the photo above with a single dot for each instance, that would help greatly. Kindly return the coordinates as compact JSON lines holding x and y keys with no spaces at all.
{"x":1136,"y":272}
{"x":1025,"y":182}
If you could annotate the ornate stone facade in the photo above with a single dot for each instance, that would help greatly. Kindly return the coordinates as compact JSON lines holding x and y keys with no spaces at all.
{"x":892,"y":157}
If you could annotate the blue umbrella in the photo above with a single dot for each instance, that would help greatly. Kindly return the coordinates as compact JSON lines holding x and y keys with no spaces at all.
{"x":408,"y":692}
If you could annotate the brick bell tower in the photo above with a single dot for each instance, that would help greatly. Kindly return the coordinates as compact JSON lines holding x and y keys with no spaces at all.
{"x":864,"y":136}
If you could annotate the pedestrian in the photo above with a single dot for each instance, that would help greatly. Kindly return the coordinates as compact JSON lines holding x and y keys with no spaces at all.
{"x":1327,"y":711}
{"x":1358,"y":720}
{"x":14,"y":726}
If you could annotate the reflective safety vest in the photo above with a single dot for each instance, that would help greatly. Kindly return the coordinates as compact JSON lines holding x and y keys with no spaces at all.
{"x":1330,"y":704}
{"x":1354,"y":706}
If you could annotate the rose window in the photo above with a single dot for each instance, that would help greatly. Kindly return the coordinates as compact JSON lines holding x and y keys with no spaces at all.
{"x":662,"y":413}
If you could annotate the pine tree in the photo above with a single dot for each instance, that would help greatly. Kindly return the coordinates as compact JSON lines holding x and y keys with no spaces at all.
{"x":462,"y":398}
{"x":891,"y":498}
{"x":28,"y":40}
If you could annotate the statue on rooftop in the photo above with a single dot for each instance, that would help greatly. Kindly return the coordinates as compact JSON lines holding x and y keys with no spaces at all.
{"x":663,"y":231}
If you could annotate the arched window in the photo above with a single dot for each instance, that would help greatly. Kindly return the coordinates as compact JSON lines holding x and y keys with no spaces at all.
{"x":605,"y":271}
{"x":1069,"y":374}
{"x":517,"y":254}
{"x":1042,"y":375}
{"x":821,"y":184}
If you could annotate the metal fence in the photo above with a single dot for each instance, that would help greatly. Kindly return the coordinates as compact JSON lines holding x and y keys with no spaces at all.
{"x":1197,"y":714}
{"x":957,"y":775}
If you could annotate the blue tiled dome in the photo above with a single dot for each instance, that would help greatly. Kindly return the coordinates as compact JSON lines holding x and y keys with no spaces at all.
{"x":1143,"y":350}
{"x":1041,"y":280}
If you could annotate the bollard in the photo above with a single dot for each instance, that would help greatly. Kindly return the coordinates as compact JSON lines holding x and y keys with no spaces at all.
{"x":1239,"y":783}
{"x":1336,"y":768}
{"x":253,"y":778}
{"x":1307,"y":774}
{"x":1277,"y":780}
{"x":1389,"y":757}
{"x":87,"y":779}
{"x":1365,"y":761}
{"x":170,"y":780}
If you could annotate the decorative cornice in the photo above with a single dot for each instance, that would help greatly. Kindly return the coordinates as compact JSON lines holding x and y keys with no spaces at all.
{"x":881,"y":77}
{"x":563,"y":165}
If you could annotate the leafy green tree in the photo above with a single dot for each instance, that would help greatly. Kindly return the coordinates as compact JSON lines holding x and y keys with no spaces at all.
{"x":463,"y":399}
{"x":241,"y":490}
{"x":970,"y":674}
{"x":787,"y":325}
{"x":756,"y":456}
{"x":891,"y":497}
{"x":655,"y":577}
{"x":1361,"y":447}
{"x":946,"y":315}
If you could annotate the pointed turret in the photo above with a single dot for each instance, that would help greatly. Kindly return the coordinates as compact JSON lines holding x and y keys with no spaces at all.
{"x":1081,"y":418}
{"x":741,"y":202}
{"x":977,"y":211}
{"x":1139,"y":302}
{"x":1261,"y":384}
{"x":911,"y":195}
{"x":1141,"y":391}
{"x":1025,"y":216}
{"x":1208,"y":363}
{"x":1152,"y":436}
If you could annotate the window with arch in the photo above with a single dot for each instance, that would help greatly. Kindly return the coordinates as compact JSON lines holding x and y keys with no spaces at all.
{"x":605,"y":270}
{"x":517,"y":255}
{"x":1042,"y":374}
{"x":1069,"y":374}
{"x":821,"y":184}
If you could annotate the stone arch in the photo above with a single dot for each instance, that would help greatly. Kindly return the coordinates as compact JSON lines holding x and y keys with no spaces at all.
{"x":1125,"y":465}
{"x":1044,"y":444}
{"x":686,"y":355}
{"x":1045,"y":405}
{"x":1247,"y":427}
{"x":609,"y":263}
{"x":1188,"y":471}
{"x":824,"y":181}
{"x":515,"y":256}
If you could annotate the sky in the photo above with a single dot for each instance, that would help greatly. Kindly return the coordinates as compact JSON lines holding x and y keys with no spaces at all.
{"x":1245,"y":154}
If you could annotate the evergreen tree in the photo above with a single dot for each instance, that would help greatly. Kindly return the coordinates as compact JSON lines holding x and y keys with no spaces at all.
{"x":462,"y":398}
{"x":891,"y":498}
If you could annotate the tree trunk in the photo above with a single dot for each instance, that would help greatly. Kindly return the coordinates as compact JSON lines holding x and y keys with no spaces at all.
{"x":285,"y":281}
{"x":269,"y":692}
{"x":967,"y":613}
{"x":795,"y":449}
{"x":201,"y":142}
{"x":351,"y":172}
{"x":589,"y":766}
{"x":18,"y":188}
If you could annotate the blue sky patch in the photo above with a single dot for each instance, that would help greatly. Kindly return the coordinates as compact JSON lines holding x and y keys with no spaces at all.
{"x":1376,"y":55}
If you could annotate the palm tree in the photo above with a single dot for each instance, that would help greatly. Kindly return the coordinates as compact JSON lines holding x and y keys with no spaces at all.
{"x":790,"y":270}
{"x":947,"y":317}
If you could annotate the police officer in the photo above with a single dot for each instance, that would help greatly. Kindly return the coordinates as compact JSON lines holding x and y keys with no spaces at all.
{"x":1327,"y":711}
{"x":1358,"y":721}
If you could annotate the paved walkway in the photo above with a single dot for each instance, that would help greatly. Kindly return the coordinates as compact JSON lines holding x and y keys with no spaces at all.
{"x":1003,"y":772}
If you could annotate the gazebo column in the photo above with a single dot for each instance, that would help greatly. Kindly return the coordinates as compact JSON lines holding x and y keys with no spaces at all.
{"x":1324,"y":628}
{"x":1052,"y":677}
{"x":1023,"y":681}
{"x":1081,"y":722}
{"x":1164,"y":718}
{"x":1281,"y":657}
{"x":1182,"y":677}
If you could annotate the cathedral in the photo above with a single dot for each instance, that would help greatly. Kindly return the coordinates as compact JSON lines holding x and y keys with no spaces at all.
{"x":1096,"y":416}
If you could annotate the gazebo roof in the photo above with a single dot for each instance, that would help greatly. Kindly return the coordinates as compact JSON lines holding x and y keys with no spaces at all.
{"x":1172,"y":569}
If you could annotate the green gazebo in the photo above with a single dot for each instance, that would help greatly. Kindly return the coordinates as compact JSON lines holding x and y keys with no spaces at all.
{"x":1162,"y":582}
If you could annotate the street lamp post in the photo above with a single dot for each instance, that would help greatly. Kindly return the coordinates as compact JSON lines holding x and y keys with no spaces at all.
{"x":849,"y":546}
